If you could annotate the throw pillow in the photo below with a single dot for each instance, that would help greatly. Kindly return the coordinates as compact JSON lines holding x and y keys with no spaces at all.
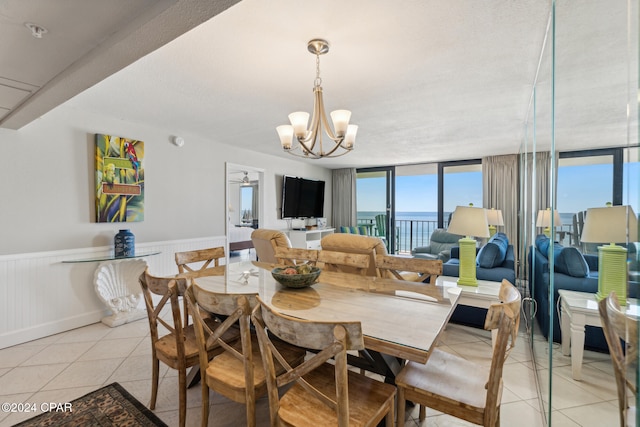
{"x":542,"y":243}
{"x":344,"y":229}
{"x":570,"y":261}
{"x":494,"y":252}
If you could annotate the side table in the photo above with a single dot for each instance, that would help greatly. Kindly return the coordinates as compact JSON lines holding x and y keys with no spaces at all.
{"x":481,"y":296}
{"x":116,"y":284}
{"x":578,"y":309}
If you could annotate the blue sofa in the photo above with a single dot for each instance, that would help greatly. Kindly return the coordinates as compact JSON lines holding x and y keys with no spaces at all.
{"x":573,"y":271}
{"x":494,"y":261}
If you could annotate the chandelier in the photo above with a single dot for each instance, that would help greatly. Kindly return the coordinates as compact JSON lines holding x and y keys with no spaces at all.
{"x":309,"y":139}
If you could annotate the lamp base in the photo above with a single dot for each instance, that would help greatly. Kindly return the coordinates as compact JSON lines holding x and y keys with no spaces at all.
{"x":612,"y":272}
{"x":467,"y":275}
{"x":492,"y":230}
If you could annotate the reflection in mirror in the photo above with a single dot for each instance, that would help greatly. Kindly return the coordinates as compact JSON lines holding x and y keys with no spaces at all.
{"x":244,"y":208}
{"x":579,"y":152}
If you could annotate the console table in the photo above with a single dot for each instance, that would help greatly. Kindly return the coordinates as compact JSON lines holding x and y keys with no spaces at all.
{"x":116,"y":284}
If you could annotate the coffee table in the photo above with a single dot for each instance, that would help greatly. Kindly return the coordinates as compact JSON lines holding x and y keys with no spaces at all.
{"x":578,"y":309}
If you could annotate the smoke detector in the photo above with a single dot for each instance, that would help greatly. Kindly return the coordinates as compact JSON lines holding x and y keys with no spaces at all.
{"x":36,"y":30}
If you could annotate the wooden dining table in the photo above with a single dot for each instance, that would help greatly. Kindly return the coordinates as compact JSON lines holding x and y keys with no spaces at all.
{"x":397,"y":322}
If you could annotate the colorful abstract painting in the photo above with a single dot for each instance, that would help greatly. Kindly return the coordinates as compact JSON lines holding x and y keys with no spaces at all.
{"x":119,"y":179}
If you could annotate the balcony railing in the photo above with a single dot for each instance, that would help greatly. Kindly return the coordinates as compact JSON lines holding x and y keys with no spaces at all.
{"x":413,"y":233}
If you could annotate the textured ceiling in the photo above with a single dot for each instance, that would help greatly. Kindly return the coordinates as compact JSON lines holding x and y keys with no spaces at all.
{"x":428,"y":81}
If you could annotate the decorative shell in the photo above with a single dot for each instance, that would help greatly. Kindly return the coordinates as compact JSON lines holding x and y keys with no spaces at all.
{"x":116,"y":283}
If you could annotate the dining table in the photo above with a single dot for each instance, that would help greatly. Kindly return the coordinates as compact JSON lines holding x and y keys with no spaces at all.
{"x":400,"y":320}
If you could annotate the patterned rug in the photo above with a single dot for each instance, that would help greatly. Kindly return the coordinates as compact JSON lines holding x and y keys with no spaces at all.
{"x":111,"y":405}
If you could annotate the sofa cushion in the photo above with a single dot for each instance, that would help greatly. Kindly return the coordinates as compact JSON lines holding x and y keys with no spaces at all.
{"x":542,"y":243}
{"x":570,"y":261}
{"x":494,"y":252}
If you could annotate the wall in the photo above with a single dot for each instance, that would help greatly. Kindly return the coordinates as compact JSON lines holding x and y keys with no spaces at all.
{"x":47,"y":212}
{"x":46,"y":180}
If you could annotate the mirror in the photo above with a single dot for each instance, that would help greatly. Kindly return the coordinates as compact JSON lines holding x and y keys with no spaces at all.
{"x":582,"y":124}
{"x":244,"y":206}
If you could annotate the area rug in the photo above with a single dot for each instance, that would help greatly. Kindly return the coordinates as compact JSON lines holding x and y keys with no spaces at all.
{"x":108,"y":406}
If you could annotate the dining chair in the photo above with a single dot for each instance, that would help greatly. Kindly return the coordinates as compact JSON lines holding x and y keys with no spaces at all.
{"x":296,"y":256}
{"x":357,"y":244}
{"x":322,"y":394}
{"x":196,"y":264}
{"x":344,"y":262}
{"x":410,"y":269}
{"x":178,"y":348}
{"x":619,"y":328}
{"x":237,"y":373}
{"x":202,"y":257}
{"x":266,"y":241}
{"x":456,"y":386}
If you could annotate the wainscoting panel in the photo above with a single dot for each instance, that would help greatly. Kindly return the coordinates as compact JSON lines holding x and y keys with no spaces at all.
{"x":40,"y":295}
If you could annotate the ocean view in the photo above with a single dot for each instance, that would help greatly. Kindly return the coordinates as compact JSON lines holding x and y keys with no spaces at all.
{"x":414,"y":228}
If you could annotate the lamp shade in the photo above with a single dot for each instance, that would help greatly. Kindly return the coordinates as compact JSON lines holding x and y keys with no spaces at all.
{"x":544,"y":218}
{"x":469,"y":221}
{"x":494,"y":217}
{"x":613,"y":224}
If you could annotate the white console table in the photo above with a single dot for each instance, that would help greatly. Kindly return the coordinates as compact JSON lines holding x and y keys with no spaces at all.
{"x":116,"y":284}
{"x":308,"y":239}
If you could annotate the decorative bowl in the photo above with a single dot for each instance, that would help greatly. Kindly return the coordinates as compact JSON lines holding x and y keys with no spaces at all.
{"x":286,"y":277}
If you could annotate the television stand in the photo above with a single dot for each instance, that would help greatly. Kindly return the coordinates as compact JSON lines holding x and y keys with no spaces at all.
{"x":308,"y":239}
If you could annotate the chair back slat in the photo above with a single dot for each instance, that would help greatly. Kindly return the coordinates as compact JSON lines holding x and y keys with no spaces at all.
{"x":426,"y":270}
{"x":296,"y":256}
{"x":344,"y":262}
{"x":203,"y":256}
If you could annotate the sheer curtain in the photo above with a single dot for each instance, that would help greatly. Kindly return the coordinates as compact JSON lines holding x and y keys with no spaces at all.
{"x":343,"y":199}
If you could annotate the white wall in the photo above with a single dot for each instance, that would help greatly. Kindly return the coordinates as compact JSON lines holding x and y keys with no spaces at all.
{"x":47,"y":212}
{"x":47,"y":181}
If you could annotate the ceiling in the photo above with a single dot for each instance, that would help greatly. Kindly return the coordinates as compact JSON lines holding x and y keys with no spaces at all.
{"x":430,"y":81}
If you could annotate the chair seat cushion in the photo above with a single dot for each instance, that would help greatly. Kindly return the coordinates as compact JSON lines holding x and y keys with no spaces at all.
{"x":366,"y":397}
{"x":447,"y":375}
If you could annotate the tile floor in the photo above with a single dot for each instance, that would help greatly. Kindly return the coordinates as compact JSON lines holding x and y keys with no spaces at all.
{"x":65,"y":366}
{"x":62,"y":367}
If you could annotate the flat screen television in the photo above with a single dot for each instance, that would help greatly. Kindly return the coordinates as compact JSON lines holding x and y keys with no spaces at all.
{"x":302,"y":198}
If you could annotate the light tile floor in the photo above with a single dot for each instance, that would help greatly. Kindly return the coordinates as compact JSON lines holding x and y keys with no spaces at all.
{"x":65,"y":366}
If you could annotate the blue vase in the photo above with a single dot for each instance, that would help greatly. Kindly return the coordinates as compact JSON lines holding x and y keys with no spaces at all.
{"x":124,"y":244}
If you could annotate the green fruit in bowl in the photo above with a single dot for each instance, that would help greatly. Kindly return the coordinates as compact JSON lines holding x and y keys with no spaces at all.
{"x":304,"y":269}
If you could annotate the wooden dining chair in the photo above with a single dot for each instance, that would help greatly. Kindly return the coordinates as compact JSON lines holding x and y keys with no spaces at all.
{"x":296,"y":256}
{"x":619,"y":328}
{"x":456,"y":386}
{"x":198,"y":261}
{"x":237,"y":372}
{"x":178,"y":348}
{"x":410,"y":269}
{"x":322,"y":394}
{"x":344,"y":262}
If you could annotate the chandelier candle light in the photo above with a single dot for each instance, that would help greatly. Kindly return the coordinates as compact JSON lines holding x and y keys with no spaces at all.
{"x":309,"y":139}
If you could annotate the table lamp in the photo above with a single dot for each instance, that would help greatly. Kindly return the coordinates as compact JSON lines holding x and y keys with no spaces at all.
{"x":494,"y":219}
{"x":544,"y":220}
{"x":468,"y":221}
{"x":612,"y":224}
